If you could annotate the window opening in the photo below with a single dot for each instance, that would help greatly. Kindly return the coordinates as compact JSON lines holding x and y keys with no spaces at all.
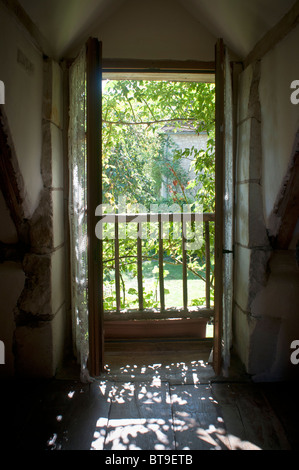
{"x":158,"y":158}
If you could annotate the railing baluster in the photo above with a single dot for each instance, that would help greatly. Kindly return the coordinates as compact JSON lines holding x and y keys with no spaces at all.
{"x":139,"y":266}
{"x":185,"y":280}
{"x":161,"y":267}
{"x":117,"y":273}
{"x":208,"y":264}
{"x":160,"y":219}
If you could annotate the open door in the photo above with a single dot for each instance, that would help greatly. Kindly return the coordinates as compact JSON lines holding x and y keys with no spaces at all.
{"x":224,"y":212}
{"x":94,"y":199}
{"x":85,"y":194}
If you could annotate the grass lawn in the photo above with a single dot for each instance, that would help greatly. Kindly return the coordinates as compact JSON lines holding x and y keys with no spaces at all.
{"x":172,"y":282}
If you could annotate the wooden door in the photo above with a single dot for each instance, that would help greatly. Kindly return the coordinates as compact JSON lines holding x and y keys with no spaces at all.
{"x":94,"y":199}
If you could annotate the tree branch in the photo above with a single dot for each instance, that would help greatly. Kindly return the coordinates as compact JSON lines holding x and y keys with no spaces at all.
{"x":148,"y":123}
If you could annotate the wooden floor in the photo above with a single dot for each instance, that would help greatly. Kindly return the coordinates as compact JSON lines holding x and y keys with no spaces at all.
{"x":155,"y":400}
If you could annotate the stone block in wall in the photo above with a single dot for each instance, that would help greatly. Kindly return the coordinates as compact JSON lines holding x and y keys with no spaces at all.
{"x":58,"y":218}
{"x":53,"y":93}
{"x":57,"y":279}
{"x":243,"y":152}
{"x":255,"y":157}
{"x":250,"y":228}
{"x":245,"y":81}
{"x":250,"y":275}
{"x":44,"y":290}
{"x":258,"y":236}
{"x":250,"y":223}
{"x":46,"y":160}
{"x":258,"y":273}
{"x":57,"y":157}
{"x":57,"y":95}
{"x":249,"y":151}
{"x":242,"y":214}
{"x":40,"y":315}
{"x":35,"y":300}
{"x":52,"y":156}
{"x":254,"y":106}
{"x":242,"y":268}
{"x":8,"y":232}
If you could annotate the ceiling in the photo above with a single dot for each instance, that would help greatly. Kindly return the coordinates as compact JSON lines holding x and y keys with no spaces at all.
{"x":63,"y":22}
{"x":240,"y":22}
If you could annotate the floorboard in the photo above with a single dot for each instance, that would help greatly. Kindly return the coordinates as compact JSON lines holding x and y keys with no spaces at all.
{"x":157,"y":402}
{"x":250,"y":421}
{"x":173,"y":361}
{"x":198,"y":420}
{"x":140,"y":417}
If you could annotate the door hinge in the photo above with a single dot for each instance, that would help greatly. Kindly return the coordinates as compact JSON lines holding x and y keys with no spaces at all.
{"x":225,"y":252}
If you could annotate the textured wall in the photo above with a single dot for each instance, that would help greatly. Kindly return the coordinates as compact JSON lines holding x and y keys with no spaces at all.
{"x":32,"y":262}
{"x":40,"y":319}
{"x":266,"y":280}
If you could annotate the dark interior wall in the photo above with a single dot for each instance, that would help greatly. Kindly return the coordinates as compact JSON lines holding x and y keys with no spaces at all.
{"x":33,"y":316}
{"x":32,"y":322}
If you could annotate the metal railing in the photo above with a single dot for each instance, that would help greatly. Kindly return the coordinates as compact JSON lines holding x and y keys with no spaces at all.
{"x":161,"y":219}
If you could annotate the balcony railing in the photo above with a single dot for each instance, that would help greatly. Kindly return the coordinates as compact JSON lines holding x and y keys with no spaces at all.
{"x":160,"y":219}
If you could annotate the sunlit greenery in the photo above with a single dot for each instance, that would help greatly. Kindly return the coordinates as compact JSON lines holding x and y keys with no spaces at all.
{"x":135,"y":163}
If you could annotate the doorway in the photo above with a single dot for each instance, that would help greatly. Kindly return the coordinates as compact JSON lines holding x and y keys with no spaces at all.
{"x":158,"y":164}
{"x":97,"y":316}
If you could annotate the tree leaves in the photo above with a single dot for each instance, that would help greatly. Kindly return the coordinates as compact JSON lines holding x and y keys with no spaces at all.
{"x":138,"y":157}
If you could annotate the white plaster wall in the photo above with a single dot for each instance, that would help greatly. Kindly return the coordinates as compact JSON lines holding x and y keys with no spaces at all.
{"x":265,"y":313}
{"x":241,"y":328}
{"x":184,"y":141}
{"x":280,"y":118}
{"x":23,"y":109}
{"x":23,"y":102}
{"x":277,"y":305}
{"x":155,"y":30}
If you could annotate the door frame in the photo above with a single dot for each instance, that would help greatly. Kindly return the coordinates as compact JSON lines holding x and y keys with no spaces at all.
{"x":95,"y":70}
{"x":94,"y":198}
{"x":219,"y":213}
